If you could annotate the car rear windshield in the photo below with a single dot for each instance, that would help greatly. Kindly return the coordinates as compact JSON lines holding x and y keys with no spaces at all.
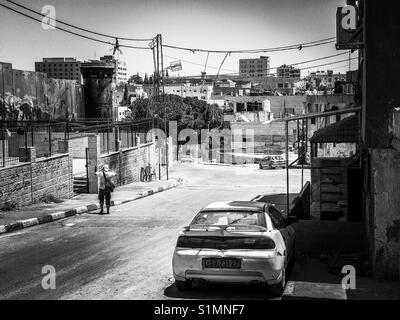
{"x":229,"y":218}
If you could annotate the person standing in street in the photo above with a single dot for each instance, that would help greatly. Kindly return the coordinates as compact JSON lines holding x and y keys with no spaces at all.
{"x":106,"y":186}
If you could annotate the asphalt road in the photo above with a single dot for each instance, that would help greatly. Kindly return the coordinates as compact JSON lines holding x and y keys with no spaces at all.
{"x":127,"y":255}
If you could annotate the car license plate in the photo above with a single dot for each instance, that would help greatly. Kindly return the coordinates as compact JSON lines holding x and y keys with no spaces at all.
{"x":222,"y":263}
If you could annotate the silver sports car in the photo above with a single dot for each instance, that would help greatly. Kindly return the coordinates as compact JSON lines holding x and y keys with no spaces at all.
{"x":238,"y":242}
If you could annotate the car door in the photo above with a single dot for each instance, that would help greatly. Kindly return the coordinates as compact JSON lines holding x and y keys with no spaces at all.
{"x":280,"y":224}
{"x":289,"y":232}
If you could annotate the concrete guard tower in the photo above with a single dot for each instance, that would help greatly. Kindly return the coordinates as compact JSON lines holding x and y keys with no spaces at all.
{"x":98,"y":89}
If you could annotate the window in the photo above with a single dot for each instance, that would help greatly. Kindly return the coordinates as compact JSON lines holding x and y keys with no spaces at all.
{"x":277,"y":219}
{"x":219,"y":218}
{"x":239,"y":107}
{"x":254,"y":106}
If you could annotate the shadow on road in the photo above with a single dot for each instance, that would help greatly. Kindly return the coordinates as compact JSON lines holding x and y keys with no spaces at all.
{"x":214,"y":291}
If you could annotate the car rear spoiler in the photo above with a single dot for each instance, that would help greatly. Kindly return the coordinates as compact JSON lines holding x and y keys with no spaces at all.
{"x":222,"y":228}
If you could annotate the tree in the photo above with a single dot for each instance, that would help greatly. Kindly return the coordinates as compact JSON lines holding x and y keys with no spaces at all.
{"x":137,"y":79}
{"x":146,"y":79}
{"x":187,"y":112}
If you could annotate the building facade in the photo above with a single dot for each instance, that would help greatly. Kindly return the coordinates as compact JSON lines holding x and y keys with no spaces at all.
{"x":254,"y":67}
{"x":202,"y":92}
{"x":283,"y":85}
{"x":120,"y":72}
{"x":288,"y":71}
{"x":325,"y":80}
{"x":60,"y":68}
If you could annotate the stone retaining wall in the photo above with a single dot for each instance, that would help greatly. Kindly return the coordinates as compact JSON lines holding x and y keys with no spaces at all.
{"x":127,"y":163}
{"x":28,"y":182}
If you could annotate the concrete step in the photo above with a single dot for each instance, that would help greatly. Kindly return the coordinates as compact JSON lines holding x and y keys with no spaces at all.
{"x":330,"y":188}
{"x":79,"y":183}
{"x":78,"y":191}
{"x":313,"y":290}
{"x":78,"y":178}
{"x":329,"y":197}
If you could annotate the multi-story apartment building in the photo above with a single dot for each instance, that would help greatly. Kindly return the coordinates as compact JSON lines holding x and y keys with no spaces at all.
{"x":325,"y":80}
{"x":254,"y":67}
{"x":288,"y":71}
{"x":60,"y":68}
{"x":202,"y":92}
{"x":120,"y":74}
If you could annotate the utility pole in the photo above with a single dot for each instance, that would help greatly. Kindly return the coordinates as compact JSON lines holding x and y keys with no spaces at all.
{"x":163,"y":100}
{"x":349,"y":60}
{"x":158,"y":81}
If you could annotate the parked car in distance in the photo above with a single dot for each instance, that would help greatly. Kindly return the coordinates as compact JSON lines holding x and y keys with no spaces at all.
{"x":272,"y":162}
{"x":235,"y":242}
{"x":187,"y":158}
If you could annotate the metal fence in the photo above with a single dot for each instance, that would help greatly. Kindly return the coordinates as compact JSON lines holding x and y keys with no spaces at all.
{"x":50,"y":138}
{"x":124,"y":136}
{"x":17,"y":136}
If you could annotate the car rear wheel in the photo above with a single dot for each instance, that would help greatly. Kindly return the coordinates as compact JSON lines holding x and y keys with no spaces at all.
{"x":277,"y":289}
{"x":183,"y":285}
{"x":261,"y":167}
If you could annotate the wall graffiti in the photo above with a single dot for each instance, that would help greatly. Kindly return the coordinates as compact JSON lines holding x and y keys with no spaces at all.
{"x":26,"y":95}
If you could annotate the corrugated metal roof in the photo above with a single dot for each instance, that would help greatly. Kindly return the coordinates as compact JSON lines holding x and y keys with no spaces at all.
{"x":346,"y":130}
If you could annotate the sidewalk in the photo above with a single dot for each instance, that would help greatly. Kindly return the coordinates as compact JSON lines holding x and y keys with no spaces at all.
{"x":47,"y":212}
{"x":311,"y":279}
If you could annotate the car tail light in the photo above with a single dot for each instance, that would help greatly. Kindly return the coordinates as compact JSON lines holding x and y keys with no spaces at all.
{"x":189,"y":242}
{"x":225,"y":243}
{"x":265,"y":243}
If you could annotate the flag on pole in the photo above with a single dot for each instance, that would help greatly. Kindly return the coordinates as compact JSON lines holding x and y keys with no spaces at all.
{"x":176,"y":66}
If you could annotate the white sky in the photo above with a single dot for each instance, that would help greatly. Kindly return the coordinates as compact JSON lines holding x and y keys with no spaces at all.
{"x":208,"y":24}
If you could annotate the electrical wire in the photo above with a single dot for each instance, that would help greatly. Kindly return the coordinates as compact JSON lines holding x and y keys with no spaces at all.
{"x":299,"y":46}
{"x":238,"y":76}
{"x":292,"y":64}
{"x":304,"y":68}
{"x":226,"y":55}
{"x":76,"y":27}
{"x":71,"y":32}
{"x":283,"y":48}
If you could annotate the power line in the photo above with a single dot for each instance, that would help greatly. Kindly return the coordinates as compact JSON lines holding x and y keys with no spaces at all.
{"x":76,"y":27}
{"x":238,"y":76}
{"x":197,"y":64}
{"x":292,"y":64}
{"x":71,"y":32}
{"x":283,"y":48}
{"x":290,"y":47}
{"x":305,"y":68}
{"x":299,"y":46}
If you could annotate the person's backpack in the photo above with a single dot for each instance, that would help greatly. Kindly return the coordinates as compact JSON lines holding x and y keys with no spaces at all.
{"x":109,"y":185}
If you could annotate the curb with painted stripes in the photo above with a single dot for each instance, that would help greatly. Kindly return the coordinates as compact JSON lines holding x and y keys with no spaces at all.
{"x":22,"y":224}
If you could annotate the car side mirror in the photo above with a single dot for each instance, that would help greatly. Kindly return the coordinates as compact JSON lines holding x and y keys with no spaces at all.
{"x":291,"y":219}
